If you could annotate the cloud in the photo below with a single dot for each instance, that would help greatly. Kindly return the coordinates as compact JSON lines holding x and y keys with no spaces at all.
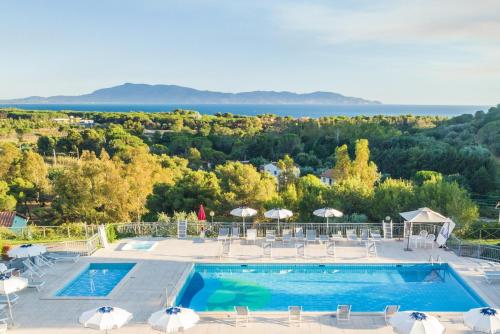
{"x":424,"y":21}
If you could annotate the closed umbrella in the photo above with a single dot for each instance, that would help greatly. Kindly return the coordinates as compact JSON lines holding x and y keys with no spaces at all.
{"x":327,"y":213}
{"x":483,"y":319}
{"x":27,"y":250}
{"x":243,"y":212}
{"x":412,"y":322}
{"x":11,"y":284}
{"x":201,"y":213}
{"x":105,"y":318}
{"x":278,"y":214}
{"x":173,"y":319}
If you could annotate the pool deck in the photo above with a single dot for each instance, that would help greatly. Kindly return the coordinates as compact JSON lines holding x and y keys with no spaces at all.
{"x":164,"y":268}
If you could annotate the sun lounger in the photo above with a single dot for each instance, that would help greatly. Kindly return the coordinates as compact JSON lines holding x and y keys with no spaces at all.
{"x":33,"y":269}
{"x":492,"y":276}
{"x":351,"y":235}
{"x":299,"y":250}
{"x":6,"y":271}
{"x":310,"y":236}
{"x":389,"y":311}
{"x":287,"y":236}
{"x":223,"y":234}
{"x":364,"y":235}
{"x":375,"y":235}
{"x":225,"y":248}
{"x":251,"y":235}
{"x":42,"y":261}
{"x":343,"y":313}
{"x":294,"y":314}
{"x":242,"y":315}
{"x":337,"y":236}
{"x":270,"y":235}
{"x":3,"y":325}
{"x":13,"y":298}
{"x":371,"y":249}
{"x":299,"y":234}
{"x":235,"y":233}
{"x":330,"y":248}
{"x":267,"y":249}
{"x":60,"y":257}
{"x":38,"y":285}
{"x":182,"y":229}
{"x":323,"y":238}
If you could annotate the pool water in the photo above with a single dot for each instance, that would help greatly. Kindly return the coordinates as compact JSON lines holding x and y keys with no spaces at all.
{"x":317,"y":287}
{"x":97,"y":280}
{"x":140,"y":245}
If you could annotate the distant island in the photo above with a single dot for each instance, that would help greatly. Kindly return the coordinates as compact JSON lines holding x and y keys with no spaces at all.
{"x":172,"y":94}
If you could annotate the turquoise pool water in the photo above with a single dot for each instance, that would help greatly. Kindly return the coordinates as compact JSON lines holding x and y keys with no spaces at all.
{"x":97,"y":280}
{"x":317,"y":287}
{"x":140,"y":245}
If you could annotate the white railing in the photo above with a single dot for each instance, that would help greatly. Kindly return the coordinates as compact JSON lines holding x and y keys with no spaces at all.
{"x":84,"y":247}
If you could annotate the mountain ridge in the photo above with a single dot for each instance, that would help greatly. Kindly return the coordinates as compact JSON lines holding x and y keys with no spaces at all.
{"x":171,"y":94}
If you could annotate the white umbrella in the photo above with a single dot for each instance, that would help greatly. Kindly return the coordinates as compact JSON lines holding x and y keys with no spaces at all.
{"x":173,"y":319}
{"x":411,"y":322}
{"x":422,"y":215}
{"x":11,"y":284}
{"x":27,"y":250}
{"x":327,"y":213}
{"x":278,"y":214}
{"x":105,"y":318}
{"x":243,"y":212}
{"x":484,"y":319}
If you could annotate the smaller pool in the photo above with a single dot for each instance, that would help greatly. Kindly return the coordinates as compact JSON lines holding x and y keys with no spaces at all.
{"x":96,"y":280}
{"x":140,"y":245}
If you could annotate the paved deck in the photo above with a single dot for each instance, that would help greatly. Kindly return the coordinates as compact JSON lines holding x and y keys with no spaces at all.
{"x":143,"y":291}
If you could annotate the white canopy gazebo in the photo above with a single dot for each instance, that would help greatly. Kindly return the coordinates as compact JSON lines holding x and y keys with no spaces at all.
{"x":422,"y":216}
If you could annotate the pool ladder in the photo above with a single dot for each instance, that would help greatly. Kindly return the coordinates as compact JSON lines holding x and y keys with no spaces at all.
{"x":438,"y":260}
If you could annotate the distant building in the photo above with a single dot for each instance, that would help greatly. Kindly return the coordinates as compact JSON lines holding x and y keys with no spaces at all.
{"x":88,"y":123}
{"x":273,"y":169}
{"x":13,"y":220}
{"x":326,"y":177}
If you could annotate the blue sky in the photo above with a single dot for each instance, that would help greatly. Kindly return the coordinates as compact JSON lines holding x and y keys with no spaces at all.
{"x":418,"y":52}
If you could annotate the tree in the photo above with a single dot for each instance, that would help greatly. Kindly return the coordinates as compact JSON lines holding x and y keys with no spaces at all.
{"x":362,"y":167}
{"x":241,"y":184}
{"x":392,"y":197}
{"x":34,"y":170}
{"x":9,"y":156}
{"x":342,"y":169}
{"x":289,"y":172}
{"x":7,"y":202}
{"x":310,"y":196}
{"x":46,"y":145}
{"x":351,"y":196}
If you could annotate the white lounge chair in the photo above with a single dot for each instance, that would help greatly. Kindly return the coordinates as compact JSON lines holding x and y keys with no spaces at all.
{"x":389,"y":311}
{"x":323,"y":238}
{"x":287,"y":236}
{"x":351,"y":235}
{"x":492,"y":276}
{"x":38,"y":285}
{"x":42,"y":261}
{"x":337,"y":236}
{"x":299,"y":250}
{"x":33,"y":269}
{"x":330,"y":248}
{"x":251,"y":235}
{"x":299,"y":234}
{"x":13,"y":298}
{"x":343,"y":313}
{"x":6,"y":271}
{"x":235,"y":233}
{"x":371,"y":249}
{"x":310,"y":236}
{"x":223,"y":234}
{"x":294,"y":314}
{"x":60,"y":257}
{"x":182,"y":229}
{"x":364,"y":234}
{"x":267,"y":249}
{"x":225,"y":249}
{"x":270,"y":236}
{"x":375,"y":235}
{"x":242,"y":315}
{"x":3,"y":325}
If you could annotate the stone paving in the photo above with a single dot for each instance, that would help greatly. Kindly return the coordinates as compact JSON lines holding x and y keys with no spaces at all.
{"x":162,"y":270}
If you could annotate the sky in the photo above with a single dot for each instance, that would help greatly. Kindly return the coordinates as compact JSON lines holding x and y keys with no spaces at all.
{"x":398,"y":52}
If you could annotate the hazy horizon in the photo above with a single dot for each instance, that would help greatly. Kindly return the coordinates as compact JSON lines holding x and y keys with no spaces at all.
{"x":418,"y":53}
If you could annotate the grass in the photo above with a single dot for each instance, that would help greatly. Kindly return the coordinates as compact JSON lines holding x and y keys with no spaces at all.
{"x":491,"y":242}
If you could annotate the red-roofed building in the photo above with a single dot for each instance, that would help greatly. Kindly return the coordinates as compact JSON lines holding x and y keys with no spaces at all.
{"x":327,"y":178}
{"x":13,"y":220}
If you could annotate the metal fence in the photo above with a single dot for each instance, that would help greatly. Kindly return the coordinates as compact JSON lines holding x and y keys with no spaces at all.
{"x":35,"y":232}
{"x":83,"y":247}
{"x":475,"y":250}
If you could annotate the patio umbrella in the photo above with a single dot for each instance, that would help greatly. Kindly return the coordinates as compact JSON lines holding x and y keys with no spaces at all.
{"x":278,"y":214}
{"x":201,"y":213}
{"x":422,"y":215}
{"x":105,"y":318}
{"x":11,"y":284}
{"x":411,"y":322}
{"x":173,"y":319}
{"x":243,"y":212}
{"x":483,"y":319}
{"x":327,"y":213}
{"x":27,"y":250}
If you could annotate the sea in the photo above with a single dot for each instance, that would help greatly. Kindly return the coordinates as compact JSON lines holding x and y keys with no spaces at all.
{"x":293,"y":110}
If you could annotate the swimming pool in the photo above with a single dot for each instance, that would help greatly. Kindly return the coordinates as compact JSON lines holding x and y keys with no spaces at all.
{"x":140,"y":245}
{"x":318,"y":287}
{"x":96,"y":280}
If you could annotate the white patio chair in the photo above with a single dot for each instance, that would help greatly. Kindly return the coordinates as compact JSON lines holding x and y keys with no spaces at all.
{"x":389,"y":311}
{"x":343,"y":313}
{"x":311,"y":236}
{"x":429,"y":240}
{"x":251,"y":235}
{"x":242,"y":315}
{"x":294,"y":315}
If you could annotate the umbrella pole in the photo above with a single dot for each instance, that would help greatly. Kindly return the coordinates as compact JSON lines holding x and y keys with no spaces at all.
{"x":408,"y":237}
{"x":278,"y":224}
{"x":327,"y":232}
{"x":243,"y":226}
